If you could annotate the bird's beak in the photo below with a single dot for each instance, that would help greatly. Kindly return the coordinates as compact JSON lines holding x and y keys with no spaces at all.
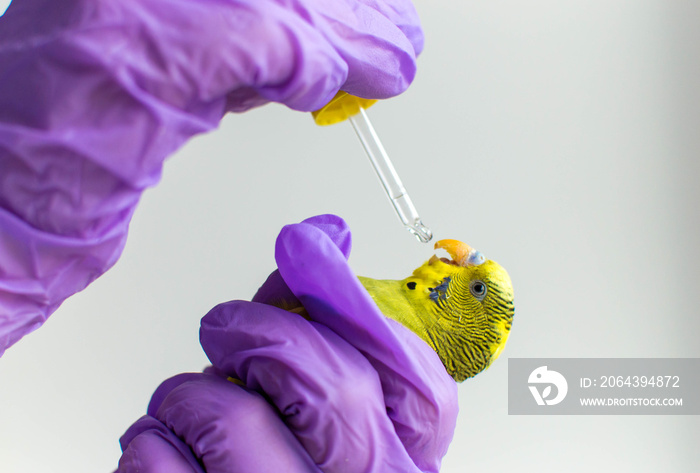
{"x":461,"y":253}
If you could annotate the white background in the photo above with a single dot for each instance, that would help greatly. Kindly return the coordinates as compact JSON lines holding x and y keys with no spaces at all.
{"x":559,"y":138}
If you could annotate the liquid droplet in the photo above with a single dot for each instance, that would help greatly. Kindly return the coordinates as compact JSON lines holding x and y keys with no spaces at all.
{"x":420,"y":231}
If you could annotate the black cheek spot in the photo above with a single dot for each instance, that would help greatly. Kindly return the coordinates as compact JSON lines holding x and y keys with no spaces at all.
{"x":411,"y":285}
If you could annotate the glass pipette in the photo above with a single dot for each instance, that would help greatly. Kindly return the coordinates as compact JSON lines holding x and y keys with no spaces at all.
{"x":390,"y":179}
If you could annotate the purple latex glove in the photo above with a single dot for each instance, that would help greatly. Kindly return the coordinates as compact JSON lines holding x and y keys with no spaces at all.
{"x":95,"y":95}
{"x":348,"y":391}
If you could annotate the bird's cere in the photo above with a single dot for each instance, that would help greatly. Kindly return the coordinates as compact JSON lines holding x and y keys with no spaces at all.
{"x":461,"y":253}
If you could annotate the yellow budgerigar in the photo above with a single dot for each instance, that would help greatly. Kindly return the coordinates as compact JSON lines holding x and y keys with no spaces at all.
{"x":462,"y":307}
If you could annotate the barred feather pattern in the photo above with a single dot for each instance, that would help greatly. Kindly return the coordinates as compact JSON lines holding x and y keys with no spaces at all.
{"x":466,"y":333}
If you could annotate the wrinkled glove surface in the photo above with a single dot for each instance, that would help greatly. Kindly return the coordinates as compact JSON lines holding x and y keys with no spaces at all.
{"x":348,"y":391}
{"x":95,"y":95}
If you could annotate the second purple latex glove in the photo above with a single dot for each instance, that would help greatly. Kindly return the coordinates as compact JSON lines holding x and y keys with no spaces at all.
{"x":95,"y":95}
{"x":348,"y":391}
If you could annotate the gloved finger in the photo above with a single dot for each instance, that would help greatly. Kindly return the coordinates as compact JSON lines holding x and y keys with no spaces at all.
{"x":325,"y":390}
{"x":298,"y":53}
{"x":380,"y":58}
{"x":200,"y":419}
{"x":169,"y":384}
{"x":275,"y":291}
{"x":403,"y":14}
{"x":164,"y":389}
{"x":148,"y":446}
{"x":231,"y":429}
{"x":420,"y":396}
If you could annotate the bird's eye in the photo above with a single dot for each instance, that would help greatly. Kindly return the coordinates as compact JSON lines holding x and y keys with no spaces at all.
{"x":411,"y":285}
{"x":478,"y":289}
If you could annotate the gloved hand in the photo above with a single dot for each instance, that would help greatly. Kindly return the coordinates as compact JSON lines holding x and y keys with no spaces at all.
{"x":95,"y":95}
{"x":347,"y":391}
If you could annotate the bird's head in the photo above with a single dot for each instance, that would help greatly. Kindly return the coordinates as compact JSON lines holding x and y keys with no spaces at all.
{"x":470,"y":299}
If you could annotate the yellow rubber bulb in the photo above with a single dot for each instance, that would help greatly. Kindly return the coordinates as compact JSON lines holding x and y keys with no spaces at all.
{"x":340,"y":108}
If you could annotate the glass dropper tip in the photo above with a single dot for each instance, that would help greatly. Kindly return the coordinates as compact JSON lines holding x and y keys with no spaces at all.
{"x":420,"y":231}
